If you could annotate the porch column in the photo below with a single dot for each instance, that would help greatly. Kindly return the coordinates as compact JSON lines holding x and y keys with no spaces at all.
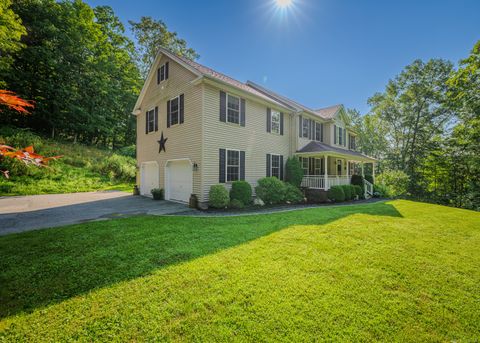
{"x":348,"y":170}
{"x":363,"y":175}
{"x":325,"y":184}
{"x":373,"y":171}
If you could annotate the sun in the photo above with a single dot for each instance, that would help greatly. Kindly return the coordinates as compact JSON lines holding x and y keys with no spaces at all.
{"x":283,"y":3}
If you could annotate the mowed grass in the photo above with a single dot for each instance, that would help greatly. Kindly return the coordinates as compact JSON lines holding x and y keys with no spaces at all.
{"x":394,"y":271}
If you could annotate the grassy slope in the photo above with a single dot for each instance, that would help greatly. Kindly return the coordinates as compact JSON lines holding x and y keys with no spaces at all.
{"x":396,"y":271}
{"x":76,"y":171}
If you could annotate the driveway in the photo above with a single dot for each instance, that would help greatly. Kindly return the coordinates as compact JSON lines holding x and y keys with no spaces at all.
{"x":25,"y":213}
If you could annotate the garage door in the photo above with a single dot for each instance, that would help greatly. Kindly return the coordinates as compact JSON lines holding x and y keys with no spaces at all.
{"x":179,"y":180}
{"x":149,"y":177}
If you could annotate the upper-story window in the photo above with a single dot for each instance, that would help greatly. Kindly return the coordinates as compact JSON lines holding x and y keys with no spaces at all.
{"x":233,"y":109}
{"x":305,"y":128}
{"x":162,"y":73}
{"x":352,"y":142}
{"x":275,"y":122}
{"x":174,"y":111}
{"x":233,"y":165}
{"x":319,"y":132}
{"x":150,"y":121}
{"x":340,"y":136}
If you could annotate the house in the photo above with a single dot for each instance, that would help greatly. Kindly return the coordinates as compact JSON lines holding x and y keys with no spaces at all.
{"x":197,"y":127}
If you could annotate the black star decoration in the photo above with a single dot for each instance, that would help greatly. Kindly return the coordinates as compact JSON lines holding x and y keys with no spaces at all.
{"x":162,"y":142}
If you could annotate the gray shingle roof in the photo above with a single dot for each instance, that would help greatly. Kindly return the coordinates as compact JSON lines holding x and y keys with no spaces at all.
{"x":314,"y":147}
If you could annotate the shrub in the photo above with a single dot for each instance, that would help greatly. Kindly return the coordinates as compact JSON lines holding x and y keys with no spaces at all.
{"x":236,"y":204}
{"x":218,"y":196}
{"x":293,"y":194}
{"x":358,"y":191}
{"x":242,"y":191}
{"x":315,"y":196}
{"x":293,"y":171}
{"x":358,"y":180}
{"x":369,"y":178}
{"x":118,"y":167}
{"x":380,"y":191}
{"x":395,"y":181}
{"x":130,"y":151}
{"x":157,"y":193}
{"x":347,"y":191}
{"x":336,"y":194}
{"x":271,"y":190}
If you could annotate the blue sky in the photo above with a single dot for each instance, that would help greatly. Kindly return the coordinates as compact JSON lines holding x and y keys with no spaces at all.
{"x":318,"y":52}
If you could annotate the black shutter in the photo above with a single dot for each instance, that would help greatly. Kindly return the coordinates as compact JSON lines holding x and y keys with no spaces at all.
{"x":181,"y":108}
{"x":269,"y":161}
{"x":281,"y":123}
{"x":223,"y":106}
{"x":321,"y":132}
{"x":158,"y":76}
{"x":269,"y":120}
{"x":344,"y":137}
{"x":156,"y":118}
{"x":221,"y":166}
{"x":242,"y":112}
{"x":300,"y":126}
{"x":166,"y":70}
{"x":310,"y":122}
{"x":168,"y":113}
{"x":281,"y":167}
{"x":146,"y":122}
{"x":242,"y":165}
{"x":334,"y":134}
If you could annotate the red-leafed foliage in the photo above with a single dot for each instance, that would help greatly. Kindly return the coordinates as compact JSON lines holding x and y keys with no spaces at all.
{"x":12,"y":101}
{"x":27,"y":155}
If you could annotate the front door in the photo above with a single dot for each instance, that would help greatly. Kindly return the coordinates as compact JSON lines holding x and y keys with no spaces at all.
{"x":339,"y":167}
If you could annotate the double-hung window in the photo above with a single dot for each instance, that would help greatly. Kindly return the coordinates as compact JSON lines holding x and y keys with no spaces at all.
{"x":174,"y":110}
{"x":150,"y":120}
{"x":233,"y":165}
{"x":318,"y":166}
{"x":305,"y":127}
{"x":275,"y":166}
{"x":305,"y":165}
{"x":318,"y":131}
{"x":275,"y":122}
{"x":340,"y":136}
{"x":233,"y":109}
{"x":162,"y":73}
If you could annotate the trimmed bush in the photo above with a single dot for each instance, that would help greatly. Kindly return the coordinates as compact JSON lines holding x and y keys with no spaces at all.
{"x":358,"y":191}
{"x":336,"y":194}
{"x":157,"y":193}
{"x":347,"y":191}
{"x":271,"y":190}
{"x":236,"y":204}
{"x":315,"y":196}
{"x":218,"y":196}
{"x":292,"y":194}
{"x":242,"y":191}
{"x":293,"y":172}
{"x":358,"y":180}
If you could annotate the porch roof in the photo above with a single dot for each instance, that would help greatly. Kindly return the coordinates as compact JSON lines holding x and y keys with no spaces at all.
{"x":317,"y":148}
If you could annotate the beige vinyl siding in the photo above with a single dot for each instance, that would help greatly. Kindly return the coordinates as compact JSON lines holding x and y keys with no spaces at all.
{"x":184,"y":140}
{"x":253,"y":139}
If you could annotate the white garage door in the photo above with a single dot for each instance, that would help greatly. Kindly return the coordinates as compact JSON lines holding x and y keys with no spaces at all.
{"x":179,"y":180}
{"x":149,"y":177}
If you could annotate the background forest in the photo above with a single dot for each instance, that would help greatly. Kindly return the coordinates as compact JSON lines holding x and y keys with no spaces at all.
{"x":83,"y":74}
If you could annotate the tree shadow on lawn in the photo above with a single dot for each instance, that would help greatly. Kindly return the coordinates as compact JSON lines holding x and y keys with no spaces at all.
{"x":43,"y":267}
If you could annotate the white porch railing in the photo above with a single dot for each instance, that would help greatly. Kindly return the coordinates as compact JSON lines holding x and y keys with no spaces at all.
{"x":319,"y":181}
{"x":368,"y":189}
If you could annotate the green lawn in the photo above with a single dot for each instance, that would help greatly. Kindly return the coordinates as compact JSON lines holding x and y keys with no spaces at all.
{"x":393,"y":271}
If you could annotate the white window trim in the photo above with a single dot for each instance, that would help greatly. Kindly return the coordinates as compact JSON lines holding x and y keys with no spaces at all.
{"x":303,"y":128}
{"x":239,"y":109}
{"x":178,"y":111}
{"x":226,"y":164}
{"x":272,"y":112}
{"x":319,"y":160}
{"x":308,"y":165}
{"x":279,"y":165}
{"x":339,"y":132}
{"x":153,"y":111}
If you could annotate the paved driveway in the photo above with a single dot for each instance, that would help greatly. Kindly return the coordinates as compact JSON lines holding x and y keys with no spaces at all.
{"x":24,"y":213}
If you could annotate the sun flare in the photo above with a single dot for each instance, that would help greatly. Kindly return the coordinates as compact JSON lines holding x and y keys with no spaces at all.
{"x":283,"y":3}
